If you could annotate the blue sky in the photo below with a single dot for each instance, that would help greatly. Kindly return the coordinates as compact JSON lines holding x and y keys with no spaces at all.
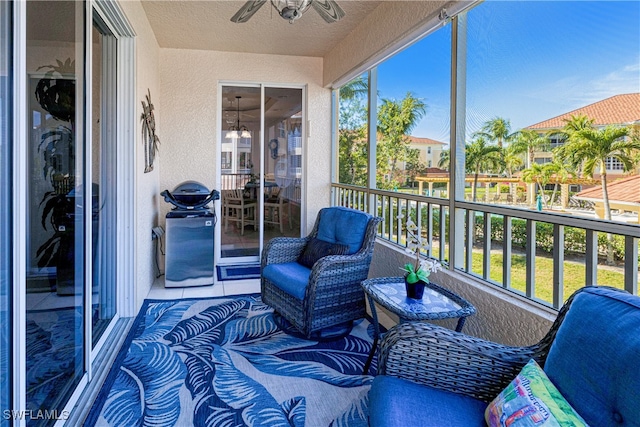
{"x":527,"y":62}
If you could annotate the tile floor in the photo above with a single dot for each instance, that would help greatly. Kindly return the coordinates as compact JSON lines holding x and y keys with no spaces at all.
{"x":231,"y":239}
{"x":51,"y":300}
{"x":230,"y":287}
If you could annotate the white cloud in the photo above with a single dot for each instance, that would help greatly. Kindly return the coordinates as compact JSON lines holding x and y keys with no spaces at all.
{"x":624,"y":80}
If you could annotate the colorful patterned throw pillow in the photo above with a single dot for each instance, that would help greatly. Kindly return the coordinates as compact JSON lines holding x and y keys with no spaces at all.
{"x":531,"y":399}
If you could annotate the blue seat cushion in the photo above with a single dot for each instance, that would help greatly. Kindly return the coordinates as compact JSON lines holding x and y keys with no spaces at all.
{"x":291,"y":277}
{"x":344,"y":226}
{"x":595,"y":358}
{"x":394,"y":402}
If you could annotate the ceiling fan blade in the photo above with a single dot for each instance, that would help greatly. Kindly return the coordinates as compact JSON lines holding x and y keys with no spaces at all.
{"x":328,"y":9}
{"x":247,"y":10}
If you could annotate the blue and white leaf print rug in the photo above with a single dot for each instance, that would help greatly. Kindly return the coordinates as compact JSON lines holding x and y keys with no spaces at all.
{"x":224,"y":362}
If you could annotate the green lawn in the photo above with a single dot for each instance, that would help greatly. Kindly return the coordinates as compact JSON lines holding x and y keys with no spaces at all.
{"x":574,"y":274}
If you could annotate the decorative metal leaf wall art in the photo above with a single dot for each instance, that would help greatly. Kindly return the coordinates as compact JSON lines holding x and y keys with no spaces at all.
{"x":149,"y":137}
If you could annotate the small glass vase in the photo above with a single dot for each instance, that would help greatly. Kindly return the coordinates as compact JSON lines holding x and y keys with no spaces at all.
{"x":414,"y":290}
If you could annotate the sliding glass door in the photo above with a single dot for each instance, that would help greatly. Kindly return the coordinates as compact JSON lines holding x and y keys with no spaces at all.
{"x":282,"y":159}
{"x":240,"y":169}
{"x":260,"y":168}
{"x":59,"y":195}
{"x":103,"y":178}
{"x":56,"y":202}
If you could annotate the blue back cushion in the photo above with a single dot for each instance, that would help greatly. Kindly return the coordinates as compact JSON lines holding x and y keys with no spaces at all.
{"x":343,"y":225}
{"x":595,"y":359}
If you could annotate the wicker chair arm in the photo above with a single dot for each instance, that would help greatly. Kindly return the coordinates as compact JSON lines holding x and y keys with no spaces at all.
{"x":445,"y":359}
{"x":341,"y":265}
{"x":282,"y":249}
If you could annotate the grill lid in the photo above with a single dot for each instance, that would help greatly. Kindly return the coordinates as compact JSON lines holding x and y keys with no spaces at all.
{"x":190,"y":195}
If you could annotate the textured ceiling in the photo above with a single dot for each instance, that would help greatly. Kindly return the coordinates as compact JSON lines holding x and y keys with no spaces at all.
{"x":206,"y":25}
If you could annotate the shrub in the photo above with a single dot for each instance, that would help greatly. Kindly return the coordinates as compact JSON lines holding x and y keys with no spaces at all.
{"x":574,"y":238}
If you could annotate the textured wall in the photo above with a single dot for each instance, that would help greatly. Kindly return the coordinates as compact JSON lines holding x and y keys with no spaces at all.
{"x":146,"y":185}
{"x":501,"y":317}
{"x":389,"y":23}
{"x":189,"y":85}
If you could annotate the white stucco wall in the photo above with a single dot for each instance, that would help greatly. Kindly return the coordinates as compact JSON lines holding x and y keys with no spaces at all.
{"x":501,"y":316}
{"x":147,"y":184}
{"x":189,"y":91}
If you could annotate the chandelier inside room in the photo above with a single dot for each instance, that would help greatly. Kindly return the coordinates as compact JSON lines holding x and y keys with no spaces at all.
{"x":237,"y":131}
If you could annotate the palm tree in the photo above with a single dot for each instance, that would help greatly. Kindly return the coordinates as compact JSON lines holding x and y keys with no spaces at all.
{"x":479,"y":156}
{"x":592,"y":147}
{"x":497,"y":130}
{"x":540,"y":175}
{"x":396,"y":119}
{"x":444,"y":159}
{"x":572,"y":125}
{"x":356,"y":88}
{"x":352,"y":147}
{"x":512,"y":160}
{"x":561,"y":171}
{"x":529,"y":141}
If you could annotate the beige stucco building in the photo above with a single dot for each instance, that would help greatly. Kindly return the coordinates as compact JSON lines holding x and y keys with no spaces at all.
{"x":430,"y":150}
{"x":618,"y":110}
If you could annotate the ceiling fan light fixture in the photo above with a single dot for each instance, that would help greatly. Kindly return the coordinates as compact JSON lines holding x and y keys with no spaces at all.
{"x":291,"y":10}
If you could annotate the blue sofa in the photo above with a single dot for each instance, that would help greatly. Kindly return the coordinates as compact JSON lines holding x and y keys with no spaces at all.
{"x":431,"y":376}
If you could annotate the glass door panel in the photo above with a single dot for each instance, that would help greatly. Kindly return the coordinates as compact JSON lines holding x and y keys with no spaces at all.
{"x":240,"y":169}
{"x":282,"y":149}
{"x":55,"y":201}
{"x":103,"y":179}
{"x":5,"y":210}
{"x":261,"y":175}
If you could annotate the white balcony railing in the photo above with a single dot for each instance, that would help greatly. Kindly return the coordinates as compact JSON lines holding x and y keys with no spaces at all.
{"x":231,"y":181}
{"x":494,"y":242}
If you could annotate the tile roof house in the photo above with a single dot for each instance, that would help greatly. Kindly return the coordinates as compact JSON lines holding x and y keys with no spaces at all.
{"x":624,"y":195}
{"x":617,"y":110}
{"x":620,"y":110}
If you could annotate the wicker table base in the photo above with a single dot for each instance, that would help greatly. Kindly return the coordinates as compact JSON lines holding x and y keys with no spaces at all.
{"x":436,"y":303}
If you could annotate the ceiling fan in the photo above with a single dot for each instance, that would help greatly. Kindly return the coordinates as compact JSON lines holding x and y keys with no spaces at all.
{"x":291,"y":10}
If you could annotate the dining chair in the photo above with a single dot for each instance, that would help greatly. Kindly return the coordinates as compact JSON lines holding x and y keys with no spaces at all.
{"x":274,"y":209}
{"x":236,"y":208}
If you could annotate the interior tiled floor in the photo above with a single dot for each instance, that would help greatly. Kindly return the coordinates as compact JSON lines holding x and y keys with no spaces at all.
{"x":231,"y":287}
{"x":231,"y":238}
{"x":51,"y":300}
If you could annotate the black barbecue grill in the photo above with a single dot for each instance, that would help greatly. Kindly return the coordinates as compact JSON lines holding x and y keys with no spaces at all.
{"x":190,"y":235}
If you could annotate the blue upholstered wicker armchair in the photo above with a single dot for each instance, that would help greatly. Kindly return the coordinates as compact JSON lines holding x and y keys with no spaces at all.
{"x":432,"y":376}
{"x":322,"y":298}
